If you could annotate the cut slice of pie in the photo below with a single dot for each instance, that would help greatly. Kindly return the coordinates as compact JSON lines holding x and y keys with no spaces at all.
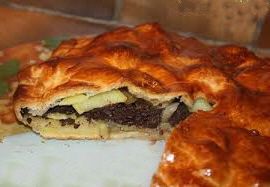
{"x":125,"y":83}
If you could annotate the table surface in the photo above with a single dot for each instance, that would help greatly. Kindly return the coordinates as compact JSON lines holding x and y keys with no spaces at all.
{"x":29,"y":161}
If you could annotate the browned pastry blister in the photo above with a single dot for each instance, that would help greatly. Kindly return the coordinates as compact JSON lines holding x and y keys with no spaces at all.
{"x":208,"y":148}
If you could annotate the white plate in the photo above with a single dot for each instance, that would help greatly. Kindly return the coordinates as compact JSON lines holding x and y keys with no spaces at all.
{"x":27,"y":160}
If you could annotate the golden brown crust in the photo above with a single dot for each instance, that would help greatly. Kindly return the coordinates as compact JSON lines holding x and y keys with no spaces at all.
{"x":203,"y":154}
{"x":122,"y":57}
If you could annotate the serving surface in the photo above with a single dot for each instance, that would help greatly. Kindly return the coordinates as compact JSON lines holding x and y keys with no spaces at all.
{"x":55,"y":163}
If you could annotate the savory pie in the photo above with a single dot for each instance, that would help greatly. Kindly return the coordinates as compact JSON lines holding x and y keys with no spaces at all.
{"x":113,"y":86}
{"x":142,"y":82}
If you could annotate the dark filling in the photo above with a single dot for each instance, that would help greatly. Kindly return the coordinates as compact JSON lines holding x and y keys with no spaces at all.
{"x":140,"y":113}
{"x":180,"y":114}
{"x":29,"y":120}
{"x":61,"y":109}
{"x":24,"y":111}
{"x":69,"y":121}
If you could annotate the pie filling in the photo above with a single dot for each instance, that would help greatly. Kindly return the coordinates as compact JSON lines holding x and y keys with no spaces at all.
{"x":118,"y":107}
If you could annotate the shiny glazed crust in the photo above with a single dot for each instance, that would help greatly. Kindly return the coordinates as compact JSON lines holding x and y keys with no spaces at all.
{"x":158,"y":65}
{"x":153,"y":64}
{"x":212,"y":151}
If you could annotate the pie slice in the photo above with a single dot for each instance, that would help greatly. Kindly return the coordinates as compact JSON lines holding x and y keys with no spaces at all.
{"x":117,"y":85}
{"x":107,"y":87}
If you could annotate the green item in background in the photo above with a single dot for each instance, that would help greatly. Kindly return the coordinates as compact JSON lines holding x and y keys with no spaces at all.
{"x":53,"y":42}
{"x":3,"y":87}
{"x":7,"y":69}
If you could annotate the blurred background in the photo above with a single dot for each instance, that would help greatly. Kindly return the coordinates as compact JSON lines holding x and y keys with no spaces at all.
{"x":245,"y":22}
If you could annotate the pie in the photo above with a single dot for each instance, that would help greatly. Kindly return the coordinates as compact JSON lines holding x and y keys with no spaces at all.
{"x":211,"y":103}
